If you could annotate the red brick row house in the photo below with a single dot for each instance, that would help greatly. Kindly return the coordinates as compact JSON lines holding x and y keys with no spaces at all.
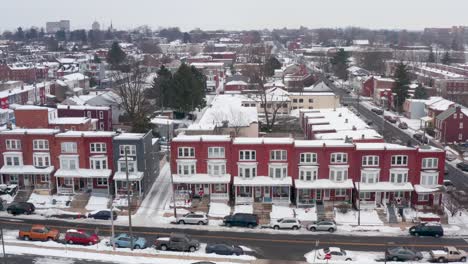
{"x":284,"y":170}
{"x":103,"y":114}
{"x":451,"y":125}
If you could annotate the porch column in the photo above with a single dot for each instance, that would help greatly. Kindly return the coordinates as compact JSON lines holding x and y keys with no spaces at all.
{"x":139,"y":187}
{"x":73,"y":185}
{"x":108,"y":185}
{"x":57,"y":183}
{"x":289,"y":194}
{"x":115,"y":189}
{"x":252,"y":190}
{"x":297,"y":198}
{"x":235,"y":194}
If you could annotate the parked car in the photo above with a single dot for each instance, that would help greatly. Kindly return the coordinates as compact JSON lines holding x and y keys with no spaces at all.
{"x":391,"y":119}
{"x":403,"y":254}
{"x":21,"y":208}
{"x":39,"y":232}
{"x":224,"y":249}
{"x":403,"y":125}
{"x":325,"y":225}
{"x":448,"y":254}
{"x":377,"y":111}
{"x":463,"y":166}
{"x":241,"y":219}
{"x":73,"y":236}
{"x":177,"y":242}
{"x":286,"y":223}
{"x":427,"y":229}
{"x":193,"y":218}
{"x":123,"y":241}
{"x":8,"y":189}
{"x":102,"y":214}
{"x":421,"y":138}
{"x":334,"y":253}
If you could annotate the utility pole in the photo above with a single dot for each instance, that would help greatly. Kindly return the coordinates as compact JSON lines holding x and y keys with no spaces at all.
{"x":3,"y":246}
{"x":128,"y":199}
{"x":112,"y":227}
{"x":168,"y":155}
{"x":359,"y":203}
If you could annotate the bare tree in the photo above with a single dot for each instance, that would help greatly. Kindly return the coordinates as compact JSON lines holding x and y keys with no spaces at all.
{"x":452,"y":205}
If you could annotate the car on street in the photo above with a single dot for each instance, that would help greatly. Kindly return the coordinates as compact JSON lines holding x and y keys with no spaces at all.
{"x":448,"y":254}
{"x":39,"y":232}
{"x":102,"y":214}
{"x":224,"y":249}
{"x":193,"y":218}
{"x":73,"y":236}
{"x":403,"y":125}
{"x":463,"y":166}
{"x":390,"y":119}
{"x":334,"y":254}
{"x":21,"y":208}
{"x":124,"y":241}
{"x":377,"y":111}
{"x":421,"y":138}
{"x":403,"y":254}
{"x":286,"y":223}
{"x":427,"y":229}
{"x":177,"y":242}
{"x":324,"y":225}
{"x":241,"y":219}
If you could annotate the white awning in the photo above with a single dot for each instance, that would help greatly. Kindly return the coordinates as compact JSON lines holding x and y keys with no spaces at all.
{"x":323,"y":184}
{"x":201,"y":178}
{"x":262,"y":181}
{"x":426,"y":189}
{"x":26,"y":169}
{"x":384,"y":187}
{"x":83,"y":173}
{"x":132,"y":176}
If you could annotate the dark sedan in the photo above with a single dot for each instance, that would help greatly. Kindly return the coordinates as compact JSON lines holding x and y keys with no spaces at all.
{"x":224,"y":249}
{"x":463,"y":166}
{"x":21,"y":208}
{"x":102,"y":215}
{"x":403,"y":254}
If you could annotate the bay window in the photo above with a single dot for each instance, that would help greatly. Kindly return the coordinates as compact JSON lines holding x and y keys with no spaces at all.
{"x":247,"y":171}
{"x":370,"y":176}
{"x":216,"y":168}
{"x":69,"y":163}
{"x":41,"y":159}
{"x":131,"y":166}
{"x":399,"y":176}
{"x":186,"y":168}
{"x":98,"y":163}
{"x":13,"y":160}
{"x":338,"y":174}
{"x":308,"y":174}
{"x":429,"y":178}
{"x":278,"y":171}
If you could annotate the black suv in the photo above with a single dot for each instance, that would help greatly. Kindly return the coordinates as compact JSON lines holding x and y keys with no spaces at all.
{"x":426,"y":229}
{"x":241,"y":219}
{"x":377,"y":111}
{"x":21,"y":208}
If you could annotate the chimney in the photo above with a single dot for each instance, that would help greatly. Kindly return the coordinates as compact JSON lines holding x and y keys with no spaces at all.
{"x":354,"y":127}
{"x":346,"y":120}
{"x":362,"y":136}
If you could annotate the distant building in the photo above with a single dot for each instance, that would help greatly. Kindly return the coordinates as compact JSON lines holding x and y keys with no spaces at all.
{"x":96,"y":26}
{"x":53,"y":27}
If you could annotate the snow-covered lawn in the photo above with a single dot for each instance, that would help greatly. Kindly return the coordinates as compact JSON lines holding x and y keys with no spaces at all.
{"x":97,"y":201}
{"x":7,"y":198}
{"x":219,"y":210}
{"x":247,"y":208}
{"x":368,"y":217}
{"x":303,"y":214}
{"x":411,"y":214}
{"x":50,"y":201}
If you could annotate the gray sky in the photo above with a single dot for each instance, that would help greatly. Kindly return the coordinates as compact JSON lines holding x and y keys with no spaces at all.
{"x":237,"y":14}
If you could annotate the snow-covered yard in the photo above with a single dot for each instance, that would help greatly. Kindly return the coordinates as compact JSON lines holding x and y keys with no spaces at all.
{"x":219,"y":210}
{"x":368,"y":217}
{"x":245,"y":208}
{"x":7,"y":198}
{"x":97,"y":201}
{"x":303,"y":214}
{"x":50,"y":201}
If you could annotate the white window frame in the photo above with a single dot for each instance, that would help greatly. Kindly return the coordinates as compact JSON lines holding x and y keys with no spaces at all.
{"x":97,"y":147}
{"x":306,"y":173}
{"x":13,"y":144}
{"x":308,"y":158}
{"x":132,"y":166}
{"x":216,"y":168}
{"x":216,"y":153}
{"x":338,"y":157}
{"x":186,"y":168}
{"x":186,"y":152}
{"x":68,"y":147}
{"x":430,"y":163}
{"x":370,"y":176}
{"x":40,"y":144}
{"x":365,"y":195}
{"x":13,"y":160}
{"x":247,"y":155}
{"x":278,"y":155}
{"x":45,"y":178}
{"x":102,"y":182}
{"x":65,"y":163}
{"x":100,"y":161}
{"x":399,"y":160}
{"x":252,"y":169}
{"x":370,"y":160}
{"x":13,"y":179}
{"x":338,"y":174}
{"x":399,"y":177}
{"x":277,"y":171}
{"x":68,"y":181}
{"x":429,"y":178}
{"x":340,"y":192}
{"x":41,"y":159}
{"x":423,"y":197}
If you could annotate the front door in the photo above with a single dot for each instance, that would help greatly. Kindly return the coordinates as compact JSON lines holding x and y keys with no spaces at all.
{"x":318,"y":195}
{"x":206,"y":188}
{"x":27,"y":180}
{"x":326,"y":195}
{"x":436,"y":198}
{"x":89,"y":183}
{"x":378,"y":197}
{"x":199,"y":189}
{"x":266,"y":194}
{"x":258,"y":194}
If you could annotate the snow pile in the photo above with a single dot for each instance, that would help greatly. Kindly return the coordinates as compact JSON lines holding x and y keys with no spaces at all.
{"x":219,"y":210}
{"x":368,"y":217}
{"x":97,"y":201}
{"x":50,"y":201}
{"x":247,"y":209}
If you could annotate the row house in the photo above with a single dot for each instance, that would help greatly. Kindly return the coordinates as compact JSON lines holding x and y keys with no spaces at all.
{"x":26,"y":94}
{"x":304,"y":172}
{"x":452,"y":124}
{"x":103,"y":114}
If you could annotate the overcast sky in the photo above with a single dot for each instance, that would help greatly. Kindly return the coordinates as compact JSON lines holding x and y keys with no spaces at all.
{"x":237,"y":14}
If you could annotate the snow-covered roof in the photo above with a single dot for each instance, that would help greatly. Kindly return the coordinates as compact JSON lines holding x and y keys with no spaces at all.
{"x":381,"y":146}
{"x":26,"y":169}
{"x":353,"y":134}
{"x":83,"y":107}
{"x":206,"y":138}
{"x":439,"y":105}
{"x":129,"y":136}
{"x":322,"y":143}
{"x":323,"y":184}
{"x":262,"y":181}
{"x":427,"y":189}
{"x":69,"y":120}
{"x":87,"y":134}
{"x":338,"y":119}
{"x":262,"y":140}
{"x":132,"y":176}
{"x":201,"y":178}
{"x":34,"y":107}
{"x":384,"y":186}
{"x":318,"y":87}
{"x":75,"y":77}
{"x":83,"y":173}
{"x":276,"y":94}
{"x":32,"y":131}
{"x":237,"y":83}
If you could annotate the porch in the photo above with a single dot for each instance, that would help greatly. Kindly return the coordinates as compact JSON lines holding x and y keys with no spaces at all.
{"x":28,"y":176}
{"x":324,"y":190}
{"x":377,"y":195}
{"x":120,"y":183}
{"x":262,"y":189}
{"x":215,"y":187}
{"x":82,"y":180}
{"x":427,"y":197}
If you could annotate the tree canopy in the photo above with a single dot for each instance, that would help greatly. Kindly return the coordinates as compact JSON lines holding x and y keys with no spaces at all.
{"x":446,"y":59}
{"x":271,"y":65}
{"x":340,"y":64}
{"x":420,"y":92}
{"x":115,"y":55}
{"x":402,"y":81}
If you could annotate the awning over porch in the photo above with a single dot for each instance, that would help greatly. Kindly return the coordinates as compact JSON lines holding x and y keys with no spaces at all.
{"x":426,"y":189}
{"x":384,"y":187}
{"x":26,"y":169}
{"x":132,"y":176}
{"x":83,"y":173}
{"x":262,"y":181}
{"x":201,"y":178}
{"x":323,"y":184}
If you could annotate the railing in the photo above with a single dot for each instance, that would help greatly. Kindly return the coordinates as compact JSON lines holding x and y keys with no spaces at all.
{"x":244,"y":200}
{"x":280,"y":200}
{"x":367,"y":204}
{"x":65,"y":190}
{"x":219,"y":196}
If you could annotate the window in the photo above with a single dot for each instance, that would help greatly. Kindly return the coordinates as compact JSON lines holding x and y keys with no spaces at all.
{"x":216,"y":169}
{"x":216,"y":152}
{"x":278,"y":172}
{"x":130,"y":149}
{"x":278,"y":155}
{"x":294,"y":100}
{"x":41,"y":159}
{"x":98,"y":163}
{"x":340,"y":192}
{"x":98,"y":147}
{"x":101,"y":181}
{"x":400,"y":160}
{"x":461,"y":125}
{"x":68,"y":181}
{"x":311,"y":100}
{"x":308,"y":157}
{"x":186,"y":169}
{"x":13,"y":160}
{"x":101,"y":126}
{"x":101,"y":115}
{"x":429,"y":179}
{"x":40,"y":144}
{"x":399,"y":177}
{"x":423,"y":197}
{"x":13,"y":144}
{"x":220,"y":188}
{"x":430,"y":163}
{"x":69,"y":163}
{"x":301,"y":100}
{"x":13,"y":179}
{"x":247,"y":155}
{"x":460,"y":136}
{"x":186,"y":152}
{"x":339,"y":158}
{"x":308,"y":174}
{"x":131,"y":166}
{"x":45,"y":178}
{"x":365,"y":195}
{"x":369,"y":176}
{"x":68,"y":147}
{"x":338,"y":175}
{"x":247,"y":172}
{"x":370,"y":161}
{"x":89,"y":114}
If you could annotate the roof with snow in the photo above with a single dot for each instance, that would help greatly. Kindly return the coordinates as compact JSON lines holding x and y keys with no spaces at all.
{"x":318,"y":87}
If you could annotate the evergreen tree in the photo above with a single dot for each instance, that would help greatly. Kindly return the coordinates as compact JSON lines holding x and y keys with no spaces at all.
{"x":271,"y":65}
{"x":420,"y":92}
{"x":340,"y":64}
{"x":60,"y":35}
{"x":431,"y":57}
{"x":400,"y":89}
{"x":446,"y":59}
{"x":19,"y":34}
{"x":96,"y":59}
{"x":115,"y":55}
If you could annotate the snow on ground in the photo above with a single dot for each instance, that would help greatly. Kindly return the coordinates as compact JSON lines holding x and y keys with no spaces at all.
{"x":356,"y":256}
{"x":219,"y":209}
{"x":51,"y":211}
{"x":7,"y":198}
{"x":411,"y":214}
{"x":97,"y":201}
{"x":247,"y":208}
{"x":303,"y":214}
{"x":368,"y":217}
{"x":50,"y":201}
